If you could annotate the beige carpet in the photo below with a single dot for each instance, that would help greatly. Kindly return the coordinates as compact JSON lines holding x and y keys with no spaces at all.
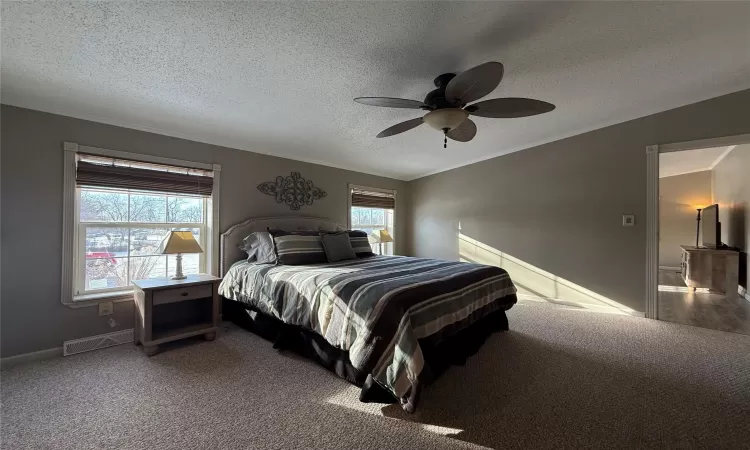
{"x":560,"y":378}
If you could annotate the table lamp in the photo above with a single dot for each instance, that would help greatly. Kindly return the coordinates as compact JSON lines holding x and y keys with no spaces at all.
{"x":177,"y":243}
{"x":381,"y":237}
{"x":699,"y":207}
{"x":698,"y":227}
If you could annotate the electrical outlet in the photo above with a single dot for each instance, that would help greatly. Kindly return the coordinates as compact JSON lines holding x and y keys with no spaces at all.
{"x":105,"y":308}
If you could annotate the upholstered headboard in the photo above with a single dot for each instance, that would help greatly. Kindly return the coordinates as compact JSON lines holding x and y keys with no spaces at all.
{"x":232,"y":238}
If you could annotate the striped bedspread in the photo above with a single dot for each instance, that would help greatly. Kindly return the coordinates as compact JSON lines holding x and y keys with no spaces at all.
{"x":375,"y":308}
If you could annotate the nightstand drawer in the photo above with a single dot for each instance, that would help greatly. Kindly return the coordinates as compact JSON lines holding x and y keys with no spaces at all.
{"x":185,"y":293}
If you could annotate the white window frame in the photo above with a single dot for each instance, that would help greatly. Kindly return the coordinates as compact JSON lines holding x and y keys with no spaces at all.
{"x":371,"y":189}
{"x":70,"y":257}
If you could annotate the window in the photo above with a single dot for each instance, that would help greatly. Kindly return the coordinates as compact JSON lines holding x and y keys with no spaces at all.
{"x":119,"y":232}
{"x":372,"y":210}
{"x":118,"y":210}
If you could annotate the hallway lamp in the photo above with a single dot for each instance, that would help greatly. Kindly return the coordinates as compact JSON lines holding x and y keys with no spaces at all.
{"x":698,"y":207}
{"x":698,"y":227}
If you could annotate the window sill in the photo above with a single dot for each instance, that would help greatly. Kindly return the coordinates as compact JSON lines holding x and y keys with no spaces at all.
{"x":82,"y":301}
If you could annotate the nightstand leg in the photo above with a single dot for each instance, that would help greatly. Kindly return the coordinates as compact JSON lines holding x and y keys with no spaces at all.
{"x":151,"y":351}
{"x":210,"y":336}
{"x":137,"y":327}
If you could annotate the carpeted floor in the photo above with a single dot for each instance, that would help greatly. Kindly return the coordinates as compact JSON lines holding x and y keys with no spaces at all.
{"x":560,"y":378}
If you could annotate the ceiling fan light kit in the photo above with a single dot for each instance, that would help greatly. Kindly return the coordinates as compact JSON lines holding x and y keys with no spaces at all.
{"x":447,"y":105}
{"x":445,"y":119}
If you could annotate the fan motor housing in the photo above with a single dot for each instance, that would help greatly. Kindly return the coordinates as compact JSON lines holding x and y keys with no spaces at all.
{"x":436,"y":98}
{"x":442,"y":81}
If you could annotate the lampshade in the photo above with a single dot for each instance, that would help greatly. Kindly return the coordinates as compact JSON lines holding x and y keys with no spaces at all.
{"x":446,"y":118}
{"x":381,"y":236}
{"x":179,"y":242}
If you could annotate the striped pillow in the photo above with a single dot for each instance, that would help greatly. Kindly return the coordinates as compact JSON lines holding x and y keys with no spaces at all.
{"x":360,"y":243}
{"x":298,"y":247}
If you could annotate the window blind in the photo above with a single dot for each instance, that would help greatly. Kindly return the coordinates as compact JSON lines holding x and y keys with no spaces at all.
{"x":98,"y":171}
{"x":372,"y":199}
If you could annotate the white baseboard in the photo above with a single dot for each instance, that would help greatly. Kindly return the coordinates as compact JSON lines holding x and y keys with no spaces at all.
{"x":743,"y":293}
{"x":671,"y":268}
{"x":13,"y":361}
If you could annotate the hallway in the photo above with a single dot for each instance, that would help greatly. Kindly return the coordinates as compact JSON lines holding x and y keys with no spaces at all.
{"x":677,"y":303}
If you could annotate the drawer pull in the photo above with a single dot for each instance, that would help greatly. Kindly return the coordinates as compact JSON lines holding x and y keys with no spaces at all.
{"x":184,"y":294}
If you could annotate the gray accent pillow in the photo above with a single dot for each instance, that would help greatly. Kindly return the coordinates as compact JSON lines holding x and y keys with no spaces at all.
{"x":259,"y":247}
{"x":337,"y":246}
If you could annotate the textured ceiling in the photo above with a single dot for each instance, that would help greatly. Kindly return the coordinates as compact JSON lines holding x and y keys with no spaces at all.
{"x":689,"y":161}
{"x":279,"y":78}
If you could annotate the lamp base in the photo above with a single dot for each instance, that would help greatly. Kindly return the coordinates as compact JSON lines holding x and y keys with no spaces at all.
{"x":178,"y":275}
{"x":698,"y":229}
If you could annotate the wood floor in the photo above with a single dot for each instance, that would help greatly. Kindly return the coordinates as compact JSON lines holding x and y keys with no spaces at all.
{"x":701,"y":309}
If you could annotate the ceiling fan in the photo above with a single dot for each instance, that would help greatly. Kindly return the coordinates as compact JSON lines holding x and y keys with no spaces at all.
{"x":447,"y":105}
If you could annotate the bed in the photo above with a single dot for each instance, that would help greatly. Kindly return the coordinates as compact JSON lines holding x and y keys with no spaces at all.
{"x":389,"y":324}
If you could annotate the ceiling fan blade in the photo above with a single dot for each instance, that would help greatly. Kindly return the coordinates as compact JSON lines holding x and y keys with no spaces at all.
{"x":475,"y":83}
{"x":464,"y":132}
{"x":401,"y":127}
{"x":508,"y":108}
{"x":389,"y":102}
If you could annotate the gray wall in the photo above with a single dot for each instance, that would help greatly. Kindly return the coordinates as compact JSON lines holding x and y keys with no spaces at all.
{"x":558,"y":206}
{"x":678,"y":197}
{"x":32,"y":316}
{"x":732,"y":193}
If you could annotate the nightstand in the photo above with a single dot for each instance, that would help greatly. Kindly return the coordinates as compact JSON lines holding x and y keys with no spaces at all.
{"x":167,"y":310}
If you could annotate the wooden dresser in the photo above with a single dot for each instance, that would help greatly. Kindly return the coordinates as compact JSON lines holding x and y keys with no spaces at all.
{"x":714,"y":269}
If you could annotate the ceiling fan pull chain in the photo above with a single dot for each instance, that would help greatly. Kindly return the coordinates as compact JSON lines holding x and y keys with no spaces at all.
{"x":445,"y":139}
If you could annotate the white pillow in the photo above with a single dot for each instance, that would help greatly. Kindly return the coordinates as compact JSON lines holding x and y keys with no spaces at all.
{"x":259,"y":248}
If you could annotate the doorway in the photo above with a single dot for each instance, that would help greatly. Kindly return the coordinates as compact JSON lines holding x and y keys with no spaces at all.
{"x":698,"y":228}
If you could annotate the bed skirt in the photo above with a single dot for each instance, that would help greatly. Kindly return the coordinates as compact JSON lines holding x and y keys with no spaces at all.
{"x":448,"y":348}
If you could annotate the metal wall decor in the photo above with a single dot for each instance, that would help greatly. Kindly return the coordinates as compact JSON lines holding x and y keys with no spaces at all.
{"x":293,"y":190}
